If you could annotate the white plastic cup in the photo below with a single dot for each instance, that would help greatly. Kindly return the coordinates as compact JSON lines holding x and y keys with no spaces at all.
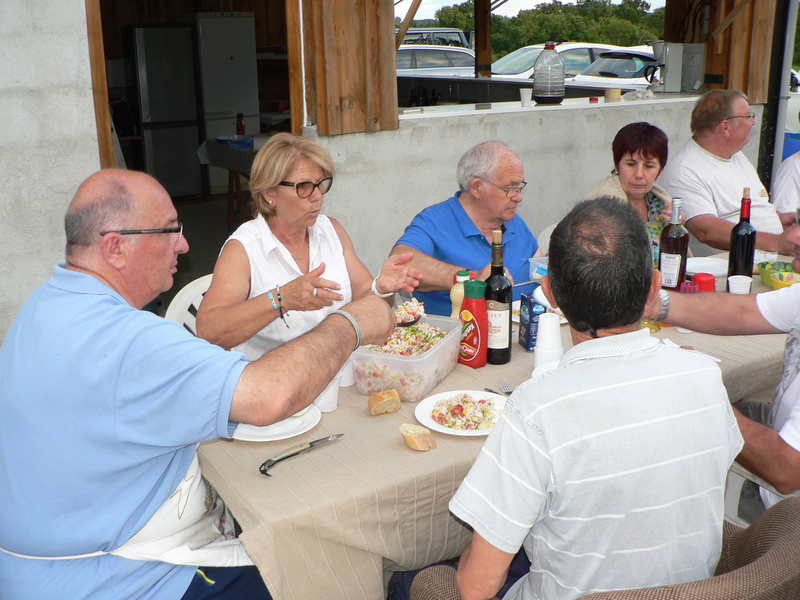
{"x":525,"y":95}
{"x":348,"y":377}
{"x":549,"y":347}
{"x":739,"y":284}
{"x":328,"y":400}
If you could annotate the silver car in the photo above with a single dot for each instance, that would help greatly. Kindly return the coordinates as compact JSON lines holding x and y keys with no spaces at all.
{"x":576,"y":56}
{"x":417,"y":59}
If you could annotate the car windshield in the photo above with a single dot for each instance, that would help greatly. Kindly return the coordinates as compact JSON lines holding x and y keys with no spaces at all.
{"x":628,"y":66}
{"x":516,"y":62}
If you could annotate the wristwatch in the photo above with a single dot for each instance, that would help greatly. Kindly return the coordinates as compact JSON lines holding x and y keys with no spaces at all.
{"x":664,"y":297}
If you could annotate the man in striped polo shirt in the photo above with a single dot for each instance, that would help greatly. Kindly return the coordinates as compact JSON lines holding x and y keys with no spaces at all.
{"x":609,"y":469}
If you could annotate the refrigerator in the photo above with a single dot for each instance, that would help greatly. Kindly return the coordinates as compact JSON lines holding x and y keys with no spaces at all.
{"x":226,"y":48}
{"x":166,"y":104}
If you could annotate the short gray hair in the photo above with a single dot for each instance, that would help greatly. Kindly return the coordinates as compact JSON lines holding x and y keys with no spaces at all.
{"x":113,"y":210}
{"x":479,"y":161}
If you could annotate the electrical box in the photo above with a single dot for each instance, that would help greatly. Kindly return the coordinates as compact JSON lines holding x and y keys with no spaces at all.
{"x":694,"y":61}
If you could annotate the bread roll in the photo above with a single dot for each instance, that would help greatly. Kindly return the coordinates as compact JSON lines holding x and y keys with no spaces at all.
{"x":417,"y":437}
{"x":387,"y":401}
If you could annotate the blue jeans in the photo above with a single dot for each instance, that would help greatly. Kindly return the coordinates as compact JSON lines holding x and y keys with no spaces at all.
{"x":230,"y":583}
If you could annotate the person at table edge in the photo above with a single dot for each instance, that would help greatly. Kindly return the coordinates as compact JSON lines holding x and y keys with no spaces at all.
{"x":456,"y":234}
{"x":710,"y":172}
{"x":586,"y":469}
{"x":102,"y":406}
{"x":771,"y":430}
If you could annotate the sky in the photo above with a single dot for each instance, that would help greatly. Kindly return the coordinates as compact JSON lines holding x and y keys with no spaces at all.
{"x":427,"y":9}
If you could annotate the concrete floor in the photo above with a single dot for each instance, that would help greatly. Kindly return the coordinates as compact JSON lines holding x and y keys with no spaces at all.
{"x":205,"y":228}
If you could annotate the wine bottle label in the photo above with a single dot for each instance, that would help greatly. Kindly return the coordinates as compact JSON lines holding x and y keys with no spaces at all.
{"x":499,"y":324}
{"x":670,"y":269}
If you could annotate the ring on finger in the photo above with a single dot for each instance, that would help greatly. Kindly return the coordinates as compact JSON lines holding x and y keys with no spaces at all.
{"x":314,"y":293}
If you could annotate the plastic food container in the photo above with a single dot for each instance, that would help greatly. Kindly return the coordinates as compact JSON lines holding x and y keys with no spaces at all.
{"x":412,"y":376}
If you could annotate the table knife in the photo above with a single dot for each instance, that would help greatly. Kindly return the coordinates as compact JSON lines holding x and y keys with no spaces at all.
{"x":295,"y":450}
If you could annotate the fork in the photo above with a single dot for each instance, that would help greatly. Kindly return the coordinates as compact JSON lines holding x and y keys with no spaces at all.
{"x":505,"y":386}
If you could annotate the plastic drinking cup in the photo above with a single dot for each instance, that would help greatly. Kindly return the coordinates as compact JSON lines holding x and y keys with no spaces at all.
{"x":739,"y":284}
{"x":525,"y":95}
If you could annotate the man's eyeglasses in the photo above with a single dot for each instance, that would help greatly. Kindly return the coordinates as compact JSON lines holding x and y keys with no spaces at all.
{"x":177,"y":229}
{"x":304,"y":189}
{"x":750,"y":115}
{"x":510,"y":191}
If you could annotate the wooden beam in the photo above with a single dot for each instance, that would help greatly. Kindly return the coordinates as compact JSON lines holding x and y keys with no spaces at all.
{"x":294,"y":48}
{"x":483,"y":38}
{"x":97,"y":62}
{"x":401,"y":34}
{"x":729,"y":19}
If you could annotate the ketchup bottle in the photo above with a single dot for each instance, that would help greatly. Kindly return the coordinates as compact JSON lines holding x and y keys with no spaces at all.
{"x":240,"y":128}
{"x":474,"y":325}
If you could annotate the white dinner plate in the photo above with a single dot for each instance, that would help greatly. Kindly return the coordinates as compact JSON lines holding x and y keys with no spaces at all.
{"x":718,"y":267}
{"x":281,"y":430}
{"x":425,"y":407}
{"x":539,"y":296}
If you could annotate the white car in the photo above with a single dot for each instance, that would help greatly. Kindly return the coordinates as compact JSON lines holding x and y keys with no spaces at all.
{"x":418,"y":59}
{"x":625,"y":68}
{"x":576,"y":56}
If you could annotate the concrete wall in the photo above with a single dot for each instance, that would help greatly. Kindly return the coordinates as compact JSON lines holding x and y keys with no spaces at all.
{"x":383,"y":179}
{"x":48,"y":140}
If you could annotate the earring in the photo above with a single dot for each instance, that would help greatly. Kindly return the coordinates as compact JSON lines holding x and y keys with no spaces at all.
{"x":271,"y":202}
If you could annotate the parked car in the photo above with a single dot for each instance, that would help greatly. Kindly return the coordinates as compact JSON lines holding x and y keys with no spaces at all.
{"x":435,"y":36}
{"x":416,"y":59}
{"x":576,"y":56}
{"x":626,"y":68}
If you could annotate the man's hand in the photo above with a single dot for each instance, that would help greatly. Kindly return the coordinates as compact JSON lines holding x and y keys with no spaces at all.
{"x":374,"y":317}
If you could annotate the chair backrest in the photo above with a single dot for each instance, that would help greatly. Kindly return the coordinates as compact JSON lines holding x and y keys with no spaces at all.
{"x":544,"y":239}
{"x":184,"y":305}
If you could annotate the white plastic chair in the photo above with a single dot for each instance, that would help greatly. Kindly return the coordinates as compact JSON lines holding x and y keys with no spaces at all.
{"x":544,"y":239}
{"x":737,"y":475}
{"x":184,"y":305}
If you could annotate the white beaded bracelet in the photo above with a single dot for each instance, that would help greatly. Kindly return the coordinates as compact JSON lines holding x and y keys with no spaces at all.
{"x":376,"y":292}
{"x":353,"y":322}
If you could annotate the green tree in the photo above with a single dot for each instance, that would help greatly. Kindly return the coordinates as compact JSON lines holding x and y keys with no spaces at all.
{"x":461,"y":16}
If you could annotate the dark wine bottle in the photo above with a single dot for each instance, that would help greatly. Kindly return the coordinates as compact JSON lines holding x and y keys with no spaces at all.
{"x":743,"y":241}
{"x":498,"y":306}
{"x":673,"y":250}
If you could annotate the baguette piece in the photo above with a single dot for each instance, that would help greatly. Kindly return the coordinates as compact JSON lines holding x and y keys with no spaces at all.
{"x":387,"y":401}
{"x":417,"y":437}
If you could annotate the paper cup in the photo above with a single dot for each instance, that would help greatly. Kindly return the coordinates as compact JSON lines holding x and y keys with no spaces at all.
{"x":548,"y":336}
{"x":328,"y":400}
{"x":525,"y":95}
{"x":348,"y":377}
{"x":739,"y":284}
{"x":613,"y":94}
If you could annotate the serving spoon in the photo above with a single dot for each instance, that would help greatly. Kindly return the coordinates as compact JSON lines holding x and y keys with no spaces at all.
{"x":413,"y":321}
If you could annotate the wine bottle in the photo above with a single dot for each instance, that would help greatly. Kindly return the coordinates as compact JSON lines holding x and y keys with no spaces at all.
{"x":498,"y":306}
{"x":673,"y":249}
{"x":743,"y":241}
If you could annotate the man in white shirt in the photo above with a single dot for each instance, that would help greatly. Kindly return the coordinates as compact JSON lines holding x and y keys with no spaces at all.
{"x":786,"y":189}
{"x":588,"y":469}
{"x":772,"y":447}
{"x":710,"y":172}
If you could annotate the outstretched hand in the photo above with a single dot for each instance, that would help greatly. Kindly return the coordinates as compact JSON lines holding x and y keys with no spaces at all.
{"x":310,"y":291}
{"x":397,"y":275}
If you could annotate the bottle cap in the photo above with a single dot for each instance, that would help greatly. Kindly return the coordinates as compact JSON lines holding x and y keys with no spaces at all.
{"x":593,"y":99}
{"x":475,"y":289}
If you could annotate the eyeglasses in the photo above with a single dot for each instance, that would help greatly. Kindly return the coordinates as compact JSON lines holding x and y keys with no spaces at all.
{"x":304,"y":189}
{"x":178,"y":229}
{"x":750,"y":115}
{"x":510,"y":191}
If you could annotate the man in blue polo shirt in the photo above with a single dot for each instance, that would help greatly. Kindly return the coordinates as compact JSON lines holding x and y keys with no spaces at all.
{"x":456,"y":234}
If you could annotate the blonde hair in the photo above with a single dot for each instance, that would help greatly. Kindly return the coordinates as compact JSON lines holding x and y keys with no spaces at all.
{"x":276,"y":160}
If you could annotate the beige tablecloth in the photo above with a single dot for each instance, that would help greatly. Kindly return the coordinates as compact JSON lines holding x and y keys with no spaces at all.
{"x":329,"y":523}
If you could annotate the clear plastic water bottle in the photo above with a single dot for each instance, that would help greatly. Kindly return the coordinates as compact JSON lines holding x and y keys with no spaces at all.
{"x":548,"y":76}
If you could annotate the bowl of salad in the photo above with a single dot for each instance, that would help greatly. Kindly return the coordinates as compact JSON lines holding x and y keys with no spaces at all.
{"x":413,"y":361}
